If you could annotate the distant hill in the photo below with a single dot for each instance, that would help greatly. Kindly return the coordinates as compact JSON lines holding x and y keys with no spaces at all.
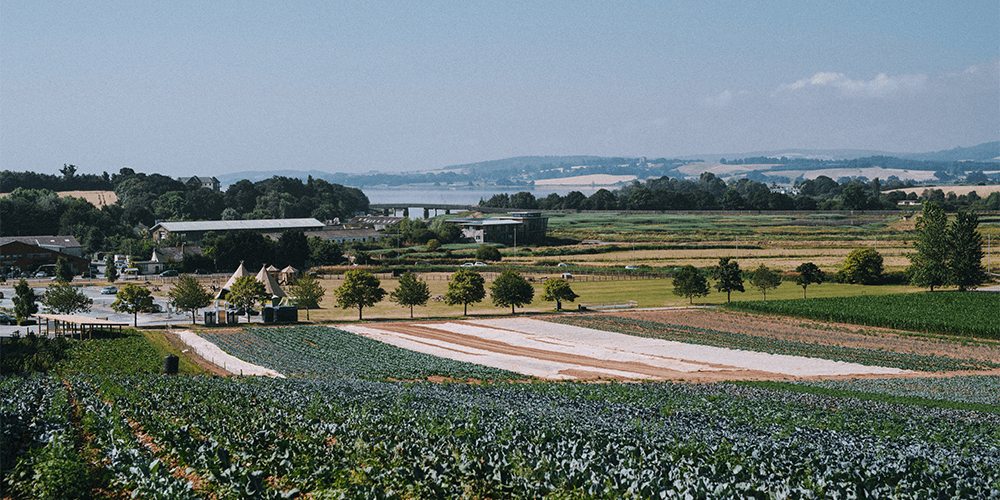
{"x":525,"y":170}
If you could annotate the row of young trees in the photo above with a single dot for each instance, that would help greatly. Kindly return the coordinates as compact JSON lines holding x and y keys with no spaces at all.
{"x":361,"y":289}
{"x":690,"y":282}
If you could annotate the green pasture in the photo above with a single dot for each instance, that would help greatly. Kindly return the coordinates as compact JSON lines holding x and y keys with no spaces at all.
{"x":622,"y":227}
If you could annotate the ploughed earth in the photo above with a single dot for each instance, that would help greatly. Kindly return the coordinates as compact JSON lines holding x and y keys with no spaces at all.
{"x":563,"y":352}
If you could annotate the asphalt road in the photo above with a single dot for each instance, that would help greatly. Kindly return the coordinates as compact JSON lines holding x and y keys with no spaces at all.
{"x":101,"y":309}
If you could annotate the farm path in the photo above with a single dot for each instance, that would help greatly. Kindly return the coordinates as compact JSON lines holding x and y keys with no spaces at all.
{"x":564,"y":352}
{"x":214,"y":355}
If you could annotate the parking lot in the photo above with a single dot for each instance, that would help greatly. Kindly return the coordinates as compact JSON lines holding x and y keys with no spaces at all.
{"x":100,"y":309}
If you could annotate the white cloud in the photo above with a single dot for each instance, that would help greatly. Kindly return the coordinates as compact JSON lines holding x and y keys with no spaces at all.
{"x":881,"y":86}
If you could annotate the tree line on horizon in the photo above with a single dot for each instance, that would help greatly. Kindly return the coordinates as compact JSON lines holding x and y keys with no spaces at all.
{"x":710,"y":192}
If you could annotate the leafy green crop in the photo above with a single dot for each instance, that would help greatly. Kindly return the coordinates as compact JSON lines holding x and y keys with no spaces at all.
{"x":970,"y":314}
{"x":325,"y":351}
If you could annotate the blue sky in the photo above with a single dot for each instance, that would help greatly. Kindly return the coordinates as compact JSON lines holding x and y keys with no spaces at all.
{"x":186,"y":88}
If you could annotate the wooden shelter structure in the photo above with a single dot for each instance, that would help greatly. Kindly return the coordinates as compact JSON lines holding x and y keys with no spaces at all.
{"x":71,"y":324}
{"x":288,"y":275}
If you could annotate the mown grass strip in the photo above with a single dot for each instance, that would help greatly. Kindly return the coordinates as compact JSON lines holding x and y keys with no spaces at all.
{"x":969,"y":314}
{"x":870,"y":396}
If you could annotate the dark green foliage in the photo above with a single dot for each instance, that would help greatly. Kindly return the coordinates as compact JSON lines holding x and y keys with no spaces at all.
{"x":488,"y":253}
{"x":324,"y":253}
{"x":511,"y":289}
{"x":971,"y":314}
{"x":862,"y":265}
{"x":24,"y":300}
{"x":465,"y":287}
{"x":31,"y":353}
{"x":410,"y":292}
{"x":929,"y":264}
{"x":360,"y":289}
{"x":188,"y":295}
{"x":729,"y":277}
{"x":690,"y":283}
{"x":965,"y":267}
{"x":809,"y":273}
{"x":63,"y":298}
{"x":110,"y":271}
{"x":291,"y":249}
{"x":764,"y":279}
{"x":63,"y":270}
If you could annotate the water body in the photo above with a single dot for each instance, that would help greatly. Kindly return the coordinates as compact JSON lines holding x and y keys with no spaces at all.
{"x":459,"y":196}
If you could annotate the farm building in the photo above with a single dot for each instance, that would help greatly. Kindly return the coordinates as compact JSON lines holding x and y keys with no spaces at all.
{"x":205,"y":182}
{"x":194,"y":231}
{"x":18,"y":255}
{"x":511,"y":229}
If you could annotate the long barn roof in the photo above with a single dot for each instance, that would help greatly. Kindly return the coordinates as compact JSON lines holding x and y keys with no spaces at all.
{"x":236,"y":225}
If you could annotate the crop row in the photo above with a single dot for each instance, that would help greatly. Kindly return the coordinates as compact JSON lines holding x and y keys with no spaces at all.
{"x":733,"y":340}
{"x":264,"y":438}
{"x":325,"y":351}
{"x":971,"y":314}
{"x":971,"y":389}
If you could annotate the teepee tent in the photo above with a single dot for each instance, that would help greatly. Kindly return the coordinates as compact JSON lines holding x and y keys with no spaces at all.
{"x":240,"y":272}
{"x":269,"y":283}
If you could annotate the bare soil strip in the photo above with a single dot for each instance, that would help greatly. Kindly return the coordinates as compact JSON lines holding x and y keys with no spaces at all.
{"x":555,"y":351}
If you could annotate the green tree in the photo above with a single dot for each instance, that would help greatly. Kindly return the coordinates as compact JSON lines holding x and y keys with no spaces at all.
{"x":63,"y":298}
{"x":966,"y":244}
{"x":466,"y":287}
{"x":292,"y":249}
{"x":245,"y":293}
{"x":690,"y":283}
{"x":132,"y":299}
{"x":729,"y":276}
{"x":862,"y":265}
{"x":511,"y":289}
{"x":433,"y":245}
{"x":929,"y":264}
{"x":325,"y":253}
{"x":63,"y":270}
{"x":110,"y":271}
{"x":487,"y":253}
{"x":558,"y":290}
{"x":764,"y":279}
{"x":189,"y":295}
{"x":24,"y":300}
{"x":809,"y":273}
{"x":360,"y":289}
{"x":307,"y":293}
{"x":411,"y":291}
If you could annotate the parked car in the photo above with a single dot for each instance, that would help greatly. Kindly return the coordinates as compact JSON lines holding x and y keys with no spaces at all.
{"x":562,"y":264}
{"x":155,"y":308}
{"x":201,"y":271}
{"x":7,"y":320}
{"x":109,"y":290}
{"x":468,"y":264}
{"x":480,"y":264}
{"x":169,"y":273}
{"x":630,"y":266}
{"x":242,"y":312}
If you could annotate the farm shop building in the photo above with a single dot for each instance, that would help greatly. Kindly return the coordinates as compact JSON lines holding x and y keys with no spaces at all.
{"x":193,"y":232}
{"x":513,"y":228}
{"x":18,"y":254}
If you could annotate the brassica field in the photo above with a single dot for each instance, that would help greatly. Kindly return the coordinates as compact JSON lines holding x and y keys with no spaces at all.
{"x":208,"y":437}
{"x":323,"y":351}
{"x":347,"y":424}
{"x":970,"y":314}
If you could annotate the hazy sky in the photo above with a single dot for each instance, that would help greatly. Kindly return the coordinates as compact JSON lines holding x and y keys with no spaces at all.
{"x":212,"y":87}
